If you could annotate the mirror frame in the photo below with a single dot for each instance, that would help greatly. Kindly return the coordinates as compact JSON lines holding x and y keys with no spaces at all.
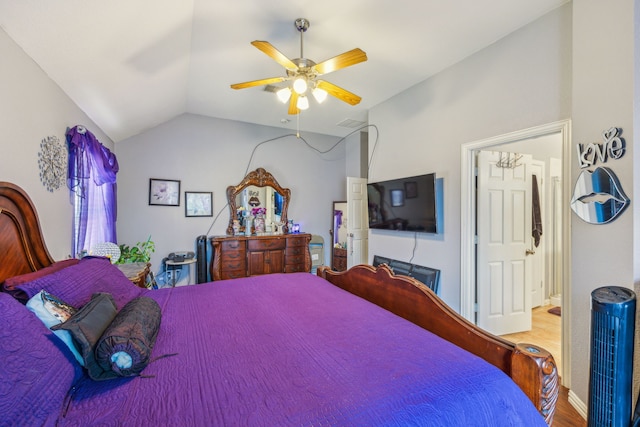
{"x":257,"y":178}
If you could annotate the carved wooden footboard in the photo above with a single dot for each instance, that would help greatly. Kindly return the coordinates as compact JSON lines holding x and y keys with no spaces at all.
{"x":531,"y":367}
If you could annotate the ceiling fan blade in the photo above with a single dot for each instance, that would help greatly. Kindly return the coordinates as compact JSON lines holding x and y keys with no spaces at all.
{"x":275,"y":54}
{"x":338,"y":92}
{"x":347,"y":59}
{"x":258,"y":82}
{"x":293,"y":103}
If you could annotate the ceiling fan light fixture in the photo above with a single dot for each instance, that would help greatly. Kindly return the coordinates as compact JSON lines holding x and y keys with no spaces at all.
{"x":302,"y":73}
{"x":300,"y":85}
{"x":319,"y":94}
{"x":284,"y":94}
{"x":303,"y":103}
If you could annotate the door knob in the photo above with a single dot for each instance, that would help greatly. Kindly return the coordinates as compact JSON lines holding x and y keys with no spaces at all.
{"x":530,"y":252}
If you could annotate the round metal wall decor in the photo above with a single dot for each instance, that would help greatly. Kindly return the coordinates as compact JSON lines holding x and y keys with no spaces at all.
{"x":52,"y":161}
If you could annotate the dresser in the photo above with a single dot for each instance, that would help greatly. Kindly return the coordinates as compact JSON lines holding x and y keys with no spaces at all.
{"x":339,"y":259}
{"x":243,"y":256}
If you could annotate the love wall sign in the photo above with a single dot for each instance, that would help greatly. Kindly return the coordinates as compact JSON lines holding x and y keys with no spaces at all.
{"x":598,"y":197}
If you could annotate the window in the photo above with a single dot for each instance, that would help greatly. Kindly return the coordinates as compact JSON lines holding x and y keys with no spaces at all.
{"x":92,"y":181}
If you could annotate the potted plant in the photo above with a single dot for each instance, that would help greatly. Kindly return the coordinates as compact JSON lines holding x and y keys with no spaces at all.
{"x":140,"y":252}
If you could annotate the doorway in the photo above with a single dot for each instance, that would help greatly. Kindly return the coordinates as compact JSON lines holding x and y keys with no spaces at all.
{"x":469,"y":195}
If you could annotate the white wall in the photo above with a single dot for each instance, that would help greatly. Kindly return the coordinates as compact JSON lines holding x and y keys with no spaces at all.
{"x":33,"y":107}
{"x":602,"y":255}
{"x":208,"y":154}
{"x":521,"y":81}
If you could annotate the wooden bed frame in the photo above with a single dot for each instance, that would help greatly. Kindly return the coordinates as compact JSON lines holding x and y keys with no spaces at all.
{"x":531,"y":367}
{"x":23,"y":250}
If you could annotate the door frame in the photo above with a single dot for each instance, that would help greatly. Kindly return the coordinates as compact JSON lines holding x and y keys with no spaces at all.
{"x":468,"y":225}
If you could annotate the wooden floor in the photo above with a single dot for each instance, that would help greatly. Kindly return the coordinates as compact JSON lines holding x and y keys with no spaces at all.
{"x":566,"y":415}
{"x":546,"y":333}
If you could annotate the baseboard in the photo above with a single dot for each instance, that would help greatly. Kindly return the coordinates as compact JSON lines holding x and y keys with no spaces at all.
{"x":578,"y":404}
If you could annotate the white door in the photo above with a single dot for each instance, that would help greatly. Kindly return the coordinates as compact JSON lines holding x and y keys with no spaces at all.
{"x":503,"y":282}
{"x":538,"y":253}
{"x":357,"y":221}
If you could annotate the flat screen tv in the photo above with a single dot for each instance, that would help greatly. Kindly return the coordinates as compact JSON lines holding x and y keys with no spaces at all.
{"x":404,"y":204}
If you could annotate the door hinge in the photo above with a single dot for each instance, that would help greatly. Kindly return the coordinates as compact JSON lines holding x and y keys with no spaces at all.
{"x":475,"y":307}
{"x":475,"y":239}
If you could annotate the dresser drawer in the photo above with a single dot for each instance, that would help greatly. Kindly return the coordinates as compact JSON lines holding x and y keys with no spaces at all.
{"x":233,"y":264}
{"x":234,"y":274}
{"x":296,"y":251}
{"x":294,"y":259}
{"x":266,"y":244}
{"x":230,"y":245}
{"x":297,"y":241}
{"x":295,"y":268}
{"x":231,"y":256}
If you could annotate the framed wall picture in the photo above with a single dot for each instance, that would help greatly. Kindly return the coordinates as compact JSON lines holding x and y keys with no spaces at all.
{"x":411,"y":189}
{"x":397,"y":198}
{"x":164,"y":192}
{"x":198,"y":203}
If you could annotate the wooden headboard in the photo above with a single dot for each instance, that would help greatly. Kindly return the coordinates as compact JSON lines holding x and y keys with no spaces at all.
{"x":22,"y":246}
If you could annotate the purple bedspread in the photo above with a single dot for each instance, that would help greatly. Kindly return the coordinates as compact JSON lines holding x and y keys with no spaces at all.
{"x":295,"y":350}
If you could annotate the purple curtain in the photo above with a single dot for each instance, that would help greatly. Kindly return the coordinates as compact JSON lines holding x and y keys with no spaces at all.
{"x":337,"y":222}
{"x":92,"y":180}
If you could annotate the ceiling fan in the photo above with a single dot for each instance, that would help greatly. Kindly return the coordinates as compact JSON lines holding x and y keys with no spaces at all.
{"x":304,"y":73}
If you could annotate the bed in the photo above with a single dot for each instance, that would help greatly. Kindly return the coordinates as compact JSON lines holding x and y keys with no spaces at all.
{"x":361,"y":347}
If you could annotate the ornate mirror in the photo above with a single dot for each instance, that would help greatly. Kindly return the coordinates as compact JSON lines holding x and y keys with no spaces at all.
{"x":258,"y":192}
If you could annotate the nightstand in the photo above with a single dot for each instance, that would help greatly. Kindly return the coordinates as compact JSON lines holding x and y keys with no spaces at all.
{"x":177,"y":265}
{"x":136,"y":272}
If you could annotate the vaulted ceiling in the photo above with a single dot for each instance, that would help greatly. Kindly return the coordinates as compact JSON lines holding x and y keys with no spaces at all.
{"x":133,"y":64}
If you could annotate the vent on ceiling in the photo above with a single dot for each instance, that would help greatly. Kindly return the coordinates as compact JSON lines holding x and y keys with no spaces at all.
{"x":272,"y":88}
{"x":350,"y":123}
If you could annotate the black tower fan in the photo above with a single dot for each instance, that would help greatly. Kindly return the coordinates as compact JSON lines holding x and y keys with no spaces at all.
{"x":610,"y":380}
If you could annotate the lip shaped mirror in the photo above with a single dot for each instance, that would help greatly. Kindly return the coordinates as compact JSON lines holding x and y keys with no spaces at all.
{"x":258,"y":190}
{"x":598,"y":197}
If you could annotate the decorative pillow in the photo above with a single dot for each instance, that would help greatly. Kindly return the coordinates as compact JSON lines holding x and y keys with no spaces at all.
{"x":125,"y":347}
{"x":87,"y":326}
{"x":37,"y":369}
{"x":11,"y":282}
{"x":77,"y":283}
{"x":51,"y":311}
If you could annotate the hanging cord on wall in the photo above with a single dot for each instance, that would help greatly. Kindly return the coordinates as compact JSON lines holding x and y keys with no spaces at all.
{"x":415,"y":245}
{"x":216,"y":217}
{"x":297,"y":136}
{"x":373,"y":150}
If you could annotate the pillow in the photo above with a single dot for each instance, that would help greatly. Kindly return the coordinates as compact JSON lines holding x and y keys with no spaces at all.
{"x":77,"y":283}
{"x":86,"y":328}
{"x":11,"y":282}
{"x":37,"y":368}
{"x":51,"y":311}
{"x":125,"y":347}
